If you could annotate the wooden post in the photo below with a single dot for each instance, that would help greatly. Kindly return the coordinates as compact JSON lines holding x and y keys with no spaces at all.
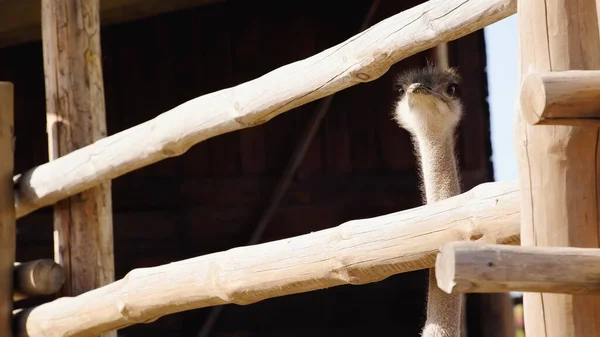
{"x":558,"y":165}
{"x":7,"y":208}
{"x":76,"y":118}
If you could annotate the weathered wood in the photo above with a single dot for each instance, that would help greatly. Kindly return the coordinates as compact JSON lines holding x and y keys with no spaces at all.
{"x":76,"y":117}
{"x":561,"y":98}
{"x":356,"y":252}
{"x":7,"y":212}
{"x":38,"y":277}
{"x":558,"y":164}
{"x":361,"y":58}
{"x":467,"y":267}
{"x":20,"y":19}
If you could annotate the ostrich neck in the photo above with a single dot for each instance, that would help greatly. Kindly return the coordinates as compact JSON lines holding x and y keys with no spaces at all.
{"x":438,"y":167}
{"x":440,"y":179}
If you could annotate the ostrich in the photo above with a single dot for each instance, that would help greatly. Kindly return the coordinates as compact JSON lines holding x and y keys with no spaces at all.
{"x":428,"y":107}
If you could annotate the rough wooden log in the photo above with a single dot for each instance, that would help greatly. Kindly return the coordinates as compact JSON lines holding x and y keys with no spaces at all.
{"x":36,"y":278}
{"x":362,"y":58}
{"x":76,"y":117}
{"x":558,"y":164}
{"x":356,"y":252}
{"x":7,"y":211}
{"x":561,"y":98}
{"x":467,"y":267}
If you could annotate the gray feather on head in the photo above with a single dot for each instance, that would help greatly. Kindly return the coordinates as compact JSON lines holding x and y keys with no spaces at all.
{"x":443,"y":82}
{"x":428,"y":101}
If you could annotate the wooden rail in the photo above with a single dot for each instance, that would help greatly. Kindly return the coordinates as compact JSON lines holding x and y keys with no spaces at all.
{"x":356,"y":252}
{"x":362,"y":58}
{"x":35,"y":278}
{"x":561,"y":98}
{"x":467,"y":267}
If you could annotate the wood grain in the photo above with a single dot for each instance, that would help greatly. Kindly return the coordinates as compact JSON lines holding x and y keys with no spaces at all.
{"x":561,"y":98}
{"x":7,"y":212}
{"x":356,"y":252}
{"x":467,"y":267}
{"x":75,"y":114}
{"x":38,"y":277}
{"x":558,"y":165}
{"x":362,"y":58}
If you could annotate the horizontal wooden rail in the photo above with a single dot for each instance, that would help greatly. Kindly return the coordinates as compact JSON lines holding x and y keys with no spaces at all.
{"x":38,"y":277}
{"x":561,"y":98}
{"x":362,"y":58}
{"x":466,"y":267}
{"x":356,"y":252}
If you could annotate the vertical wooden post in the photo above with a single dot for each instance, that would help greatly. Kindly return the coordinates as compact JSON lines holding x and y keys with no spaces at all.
{"x":7,"y":208}
{"x":558,"y":165}
{"x":76,"y":118}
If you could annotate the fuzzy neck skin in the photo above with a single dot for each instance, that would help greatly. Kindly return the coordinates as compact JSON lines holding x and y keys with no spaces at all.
{"x":441,"y":181}
{"x":438,"y":166}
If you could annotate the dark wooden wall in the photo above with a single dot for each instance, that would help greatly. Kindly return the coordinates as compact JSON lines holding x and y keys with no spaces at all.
{"x":209,"y":199}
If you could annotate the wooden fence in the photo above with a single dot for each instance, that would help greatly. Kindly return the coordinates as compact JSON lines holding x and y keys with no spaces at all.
{"x":557,"y":204}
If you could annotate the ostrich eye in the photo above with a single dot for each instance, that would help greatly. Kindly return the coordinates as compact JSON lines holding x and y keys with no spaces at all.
{"x":451,"y":89}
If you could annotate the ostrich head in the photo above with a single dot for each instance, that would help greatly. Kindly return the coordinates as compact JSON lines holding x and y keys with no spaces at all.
{"x":428,"y":102}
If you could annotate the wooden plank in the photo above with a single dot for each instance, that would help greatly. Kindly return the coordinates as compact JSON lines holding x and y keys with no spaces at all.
{"x":7,"y":211}
{"x":558,"y":165}
{"x":255,"y":102}
{"x":356,"y":252}
{"x":561,"y":98}
{"x":83,"y":227}
{"x":20,"y":20}
{"x":467,"y":267}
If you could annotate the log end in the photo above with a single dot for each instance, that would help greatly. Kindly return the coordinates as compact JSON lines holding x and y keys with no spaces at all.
{"x":445,"y":268}
{"x":38,"y":277}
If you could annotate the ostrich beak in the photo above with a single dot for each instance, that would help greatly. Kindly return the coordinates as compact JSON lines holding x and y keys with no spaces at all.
{"x":418,"y":88}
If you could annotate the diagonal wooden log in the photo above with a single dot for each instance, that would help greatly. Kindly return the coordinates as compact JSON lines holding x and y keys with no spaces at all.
{"x":356,"y":252}
{"x":362,"y":58}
